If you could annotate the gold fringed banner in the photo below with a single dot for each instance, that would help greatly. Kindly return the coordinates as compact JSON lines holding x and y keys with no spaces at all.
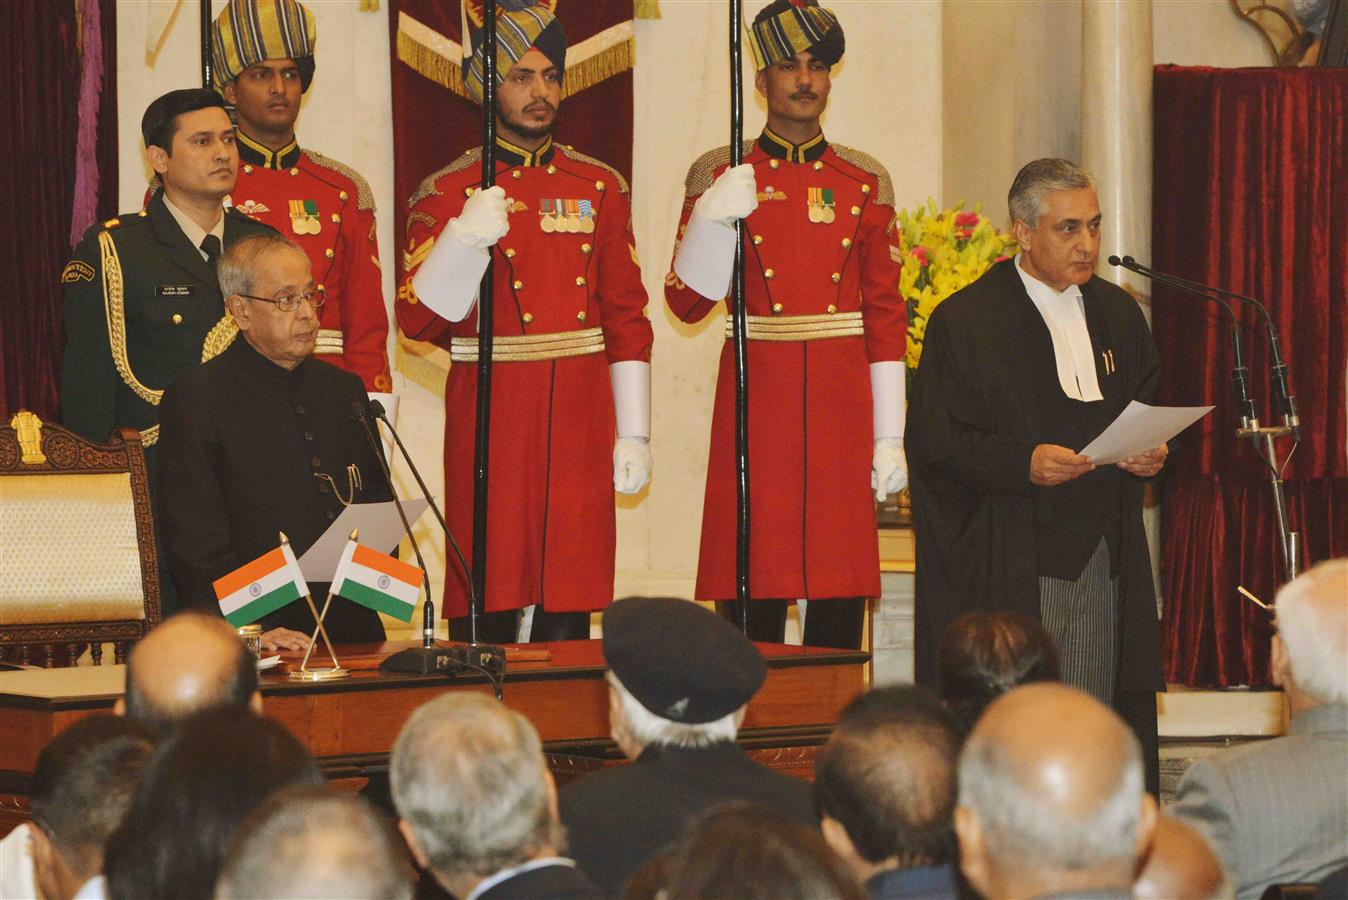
{"x":646,"y":9}
{"x":600,"y":67}
{"x":430,"y":64}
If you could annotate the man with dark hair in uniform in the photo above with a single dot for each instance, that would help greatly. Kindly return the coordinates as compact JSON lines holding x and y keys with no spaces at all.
{"x":142,"y":306}
{"x":264,"y":60}
{"x":571,"y":378}
{"x":826,"y":343}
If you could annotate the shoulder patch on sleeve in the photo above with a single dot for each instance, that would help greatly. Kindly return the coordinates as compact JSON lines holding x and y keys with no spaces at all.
{"x":364,"y":196}
{"x":572,"y":153}
{"x":77,"y":270}
{"x":703,"y":170}
{"x":427,"y":187}
{"x":884,"y":188}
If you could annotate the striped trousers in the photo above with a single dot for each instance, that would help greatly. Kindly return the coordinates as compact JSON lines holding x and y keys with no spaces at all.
{"x":1082,"y":616}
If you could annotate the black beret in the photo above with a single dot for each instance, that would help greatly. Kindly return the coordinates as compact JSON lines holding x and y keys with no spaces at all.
{"x":156,"y":126}
{"x":680,"y":661}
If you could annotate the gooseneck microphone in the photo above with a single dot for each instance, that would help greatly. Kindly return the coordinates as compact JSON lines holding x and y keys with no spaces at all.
{"x":428,"y":609}
{"x":1286,"y":402}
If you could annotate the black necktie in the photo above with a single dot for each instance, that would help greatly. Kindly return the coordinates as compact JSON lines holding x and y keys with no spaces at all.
{"x":210,"y":245}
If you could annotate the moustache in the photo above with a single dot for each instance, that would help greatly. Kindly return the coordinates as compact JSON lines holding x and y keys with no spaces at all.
{"x":805,"y":95}
{"x":540,"y":106}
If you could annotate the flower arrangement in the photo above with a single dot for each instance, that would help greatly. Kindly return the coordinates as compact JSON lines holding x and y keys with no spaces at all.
{"x":943,"y":251}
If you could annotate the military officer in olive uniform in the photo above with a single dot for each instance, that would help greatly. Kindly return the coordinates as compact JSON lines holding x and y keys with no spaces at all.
{"x":142,"y":304}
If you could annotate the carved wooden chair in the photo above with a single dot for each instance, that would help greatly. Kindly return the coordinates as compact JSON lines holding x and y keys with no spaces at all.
{"x":78,"y":564}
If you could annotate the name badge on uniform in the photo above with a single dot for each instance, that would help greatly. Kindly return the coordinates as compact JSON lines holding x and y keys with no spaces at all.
{"x":821,"y":205}
{"x":304,"y":217}
{"x":173,"y":290}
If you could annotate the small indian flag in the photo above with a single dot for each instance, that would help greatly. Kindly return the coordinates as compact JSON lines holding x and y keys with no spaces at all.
{"x":380,"y":582}
{"x":262,"y":586}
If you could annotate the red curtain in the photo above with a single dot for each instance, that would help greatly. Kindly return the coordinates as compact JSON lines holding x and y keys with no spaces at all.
{"x":41,"y":60}
{"x":1250,"y":194}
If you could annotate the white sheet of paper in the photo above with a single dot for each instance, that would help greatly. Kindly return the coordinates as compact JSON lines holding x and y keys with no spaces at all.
{"x":379,"y":526}
{"x":1139,"y":428}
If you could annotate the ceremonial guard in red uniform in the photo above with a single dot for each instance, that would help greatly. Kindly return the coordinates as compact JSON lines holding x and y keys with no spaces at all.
{"x":264,"y":57}
{"x":572,"y":346}
{"x":826,"y":329}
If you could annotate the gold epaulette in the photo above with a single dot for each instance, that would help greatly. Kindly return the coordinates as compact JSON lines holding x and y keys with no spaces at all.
{"x":572,"y":153}
{"x":884,"y":188}
{"x":219,"y":338}
{"x":427,"y":187}
{"x":703,"y":170}
{"x":364,"y":196}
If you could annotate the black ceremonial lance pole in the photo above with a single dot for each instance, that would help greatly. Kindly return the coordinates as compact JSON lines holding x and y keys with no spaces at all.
{"x":739,"y":334}
{"x":206,"y":44}
{"x":481,"y":451}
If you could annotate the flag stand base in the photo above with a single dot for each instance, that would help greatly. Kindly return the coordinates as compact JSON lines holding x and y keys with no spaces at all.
{"x":320,"y":674}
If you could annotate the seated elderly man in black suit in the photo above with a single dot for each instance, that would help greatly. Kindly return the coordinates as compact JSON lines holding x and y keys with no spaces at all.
{"x":680,"y":678}
{"x":477,"y":803}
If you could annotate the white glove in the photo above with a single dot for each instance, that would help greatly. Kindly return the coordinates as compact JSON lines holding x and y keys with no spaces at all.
{"x":484,"y":219}
{"x":706,"y":256}
{"x":631,"y":381}
{"x":631,"y":464}
{"x":734,"y":195}
{"x":889,"y":468}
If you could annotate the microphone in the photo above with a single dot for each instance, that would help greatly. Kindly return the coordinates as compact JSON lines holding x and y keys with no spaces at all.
{"x":1278,"y":368}
{"x":486,"y":658}
{"x":428,"y":609}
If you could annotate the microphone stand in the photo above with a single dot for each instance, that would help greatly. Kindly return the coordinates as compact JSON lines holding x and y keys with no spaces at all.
{"x":1261,"y":437}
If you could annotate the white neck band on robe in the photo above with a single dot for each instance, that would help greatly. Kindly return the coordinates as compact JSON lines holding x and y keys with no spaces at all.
{"x":1065,"y":315}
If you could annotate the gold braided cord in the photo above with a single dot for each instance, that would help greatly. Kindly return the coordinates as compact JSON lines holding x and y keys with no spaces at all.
{"x":219,"y":338}
{"x":572,"y":153}
{"x":149,"y":436}
{"x":703,"y":170}
{"x":523,"y":348}
{"x":801,"y":328}
{"x":884,"y":187}
{"x":427,"y":186}
{"x":329,"y":340}
{"x":114,"y":308}
{"x":364,"y":196}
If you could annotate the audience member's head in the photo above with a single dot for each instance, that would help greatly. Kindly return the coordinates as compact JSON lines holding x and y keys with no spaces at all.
{"x":316,"y":843}
{"x":1051,"y":796}
{"x":679,"y":675}
{"x":884,"y":783}
{"x":192,"y":662}
{"x":1181,"y":865}
{"x":755,"y":853}
{"x":985,"y":654}
{"x":199,"y":786}
{"x":1310,"y":651}
{"x":82,"y":786}
{"x":473,"y":791}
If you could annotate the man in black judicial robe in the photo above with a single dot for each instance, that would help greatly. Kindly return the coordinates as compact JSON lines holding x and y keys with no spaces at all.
{"x":1002,"y":503}
{"x":263,"y":439}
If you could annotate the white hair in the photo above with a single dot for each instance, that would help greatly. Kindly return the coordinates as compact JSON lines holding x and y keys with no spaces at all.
{"x":239,"y":265}
{"x":1313,"y":623}
{"x":468,"y":776}
{"x":648,"y":729}
{"x":1021,"y":829}
{"x":1039,"y":178}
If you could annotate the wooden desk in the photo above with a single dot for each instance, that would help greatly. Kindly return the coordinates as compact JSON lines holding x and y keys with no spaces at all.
{"x":350,"y":725}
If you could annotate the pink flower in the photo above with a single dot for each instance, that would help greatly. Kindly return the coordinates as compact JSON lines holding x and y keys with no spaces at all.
{"x":967,"y":219}
{"x":920,"y":254}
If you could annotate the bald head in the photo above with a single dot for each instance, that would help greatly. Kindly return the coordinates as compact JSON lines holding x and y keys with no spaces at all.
{"x":1051,"y":793}
{"x":189,"y":663}
{"x":1181,"y":866}
{"x":1310,"y":651}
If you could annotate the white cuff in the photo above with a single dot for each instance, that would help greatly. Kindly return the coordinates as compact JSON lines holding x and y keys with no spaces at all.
{"x":631,"y":381}
{"x":706,"y":257}
{"x":889,"y":387}
{"x":448,"y":280}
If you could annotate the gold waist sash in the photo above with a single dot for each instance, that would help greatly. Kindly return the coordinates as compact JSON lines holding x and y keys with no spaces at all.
{"x":329,"y":340}
{"x":801,"y":328}
{"x":527,"y":347}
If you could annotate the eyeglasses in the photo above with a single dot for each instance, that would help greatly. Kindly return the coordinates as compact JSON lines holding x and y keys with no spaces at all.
{"x":291,"y":302}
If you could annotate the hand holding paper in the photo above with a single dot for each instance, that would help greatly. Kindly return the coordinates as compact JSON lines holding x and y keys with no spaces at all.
{"x":1141,"y":429}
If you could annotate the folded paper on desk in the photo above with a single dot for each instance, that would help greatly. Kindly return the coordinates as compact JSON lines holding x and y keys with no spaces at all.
{"x":379,"y":527}
{"x":1140,"y":428}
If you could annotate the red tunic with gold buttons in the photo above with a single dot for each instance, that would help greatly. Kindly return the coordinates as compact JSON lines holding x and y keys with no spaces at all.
{"x":567,"y":268}
{"x":822,"y":244}
{"x":328,"y":209}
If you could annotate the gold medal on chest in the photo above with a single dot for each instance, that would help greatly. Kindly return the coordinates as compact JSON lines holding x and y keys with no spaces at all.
{"x":304,"y":217}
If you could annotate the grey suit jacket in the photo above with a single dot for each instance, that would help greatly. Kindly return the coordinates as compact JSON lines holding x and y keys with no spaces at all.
{"x":1276,"y":811}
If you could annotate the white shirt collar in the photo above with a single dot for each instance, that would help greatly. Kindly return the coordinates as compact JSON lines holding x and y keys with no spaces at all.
{"x":93,"y":889}
{"x":487,"y":884}
{"x":1064,"y":313}
{"x":194,"y":232}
